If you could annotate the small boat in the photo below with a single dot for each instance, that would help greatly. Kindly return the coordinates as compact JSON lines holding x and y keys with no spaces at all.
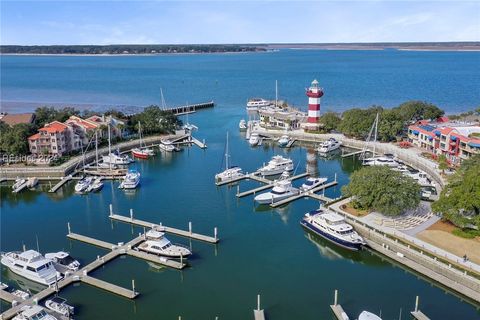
{"x":230,"y":172}
{"x":103,"y":165}
{"x":116,"y":159}
{"x":242,"y":125}
{"x":166,"y":145}
{"x":380,"y":161}
{"x":283,"y":141}
{"x":33,"y":312}
{"x":254,"y":139}
{"x":32,"y":182}
{"x":328,"y":146}
{"x":158,"y":244}
{"x":254,"y":104}
{"x":142,"y":152}
{"x":21,"y":294}
{"x":365,"y":315}
{"x":277,"y":165}
{"x":82,"y":185}
{"x":131,"y":180}
{"x":282,"y":190}
{"x":96,"y":185}
{"x":312,"y":182}
{"x":60,"y":306}
{"x":63,"y":261}
{"x":333,"y":228}
{"x":18,"y":183}
{"x":31,"y":265}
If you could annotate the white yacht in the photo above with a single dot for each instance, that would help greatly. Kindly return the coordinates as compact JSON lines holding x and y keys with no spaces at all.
{"x":277,"y":165}
{"x":419,"y":176}
{"x":254,"y":139}
{"x":63,"y":261}
{"x":116,"y":159}
{"x":365,"y":315}
{"x":60,"y":306}
{"x":82,"y":185}
{"x":328,"y":146}
{"x":282,"y":189}
{"x":18,"y":183}
{"x":242,"y":125}
{"x":166,"y":145}
{"x":34,"y":312}
{"x":131,"y":180}
{"x":283,"y":141}
{"x":158,"y":244}
{"x":31,"y":265}
{"x":380,"y":161}
{"x":32,"y":182}
{"x":312,"y":182}
{"x":332,"y":227}
{"x":254,"y":104}
{"x":230,"y":172}
{"x":95,"y":186}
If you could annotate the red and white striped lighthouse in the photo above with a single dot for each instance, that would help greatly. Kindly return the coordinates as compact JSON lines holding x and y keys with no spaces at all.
{"x":314,"y":93}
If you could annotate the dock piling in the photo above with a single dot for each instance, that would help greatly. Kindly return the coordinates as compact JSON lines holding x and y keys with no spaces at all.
{"x":131,"y":214}
{"x":133,"y":286}
{"x":190,"y":227}
{"x":258,"y":302}
{"x":111,"y":209}
{"x":68,"y":226}
{"x":335,"y":300}
{"x":215,"y":233}
{"x":416,"y":303}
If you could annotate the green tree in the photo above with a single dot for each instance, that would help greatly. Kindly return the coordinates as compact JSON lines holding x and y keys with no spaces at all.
{"x":14,"y":140}
{"x":459,"y":201}
{"x":415,"y":110}
{"x":382,"y":189}
{"x":357,"y":122}
{"x":330,"y":121}
{"x":390,"y":125}
{"x":442,"y":163}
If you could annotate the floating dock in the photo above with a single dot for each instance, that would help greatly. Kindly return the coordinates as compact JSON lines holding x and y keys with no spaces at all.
{"x":337,"y":309}
{"x":310,"y":193}
{"x":126,"y":293}
{"x":9,"y":297}
{"x":160,"y":227}
{"x":20,"y":187}
{"x":198,"y":143}
{"x":269,"y":184}
{"x":60,"y":183}
{"x":191,"y":108}
{"x":419,"y":315}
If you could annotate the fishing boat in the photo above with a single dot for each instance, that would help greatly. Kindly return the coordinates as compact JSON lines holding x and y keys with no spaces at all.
{"x":166,"y":145}
{"x":230,"y":172}
{"x":31,"y":265}
{"x":254,"y":104}
{"x":328,"y":146}
{"x":60,"y":306}
{"x":142,"y":152}
{"x":332,"y":227}
{"x":277,"y":165}
{"x":131,"y":180}
{"x":96,"y":185}
{"x":312,"y":182}
{"x":18,"y":183}
{"x":365,"y":315}
{"x":158,"y":244}
{"x":254,"y":139}
{"x":33,"y":312}
{"x":283,"y":141}
{"x":242,"y":125}
{"x":82,"y":185}
{"x":63,"y":261}
{"x":282,"y":189}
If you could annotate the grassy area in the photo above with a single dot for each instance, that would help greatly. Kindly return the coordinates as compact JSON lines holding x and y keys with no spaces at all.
{"x":467,"y":234}
{"x":355,"y":212}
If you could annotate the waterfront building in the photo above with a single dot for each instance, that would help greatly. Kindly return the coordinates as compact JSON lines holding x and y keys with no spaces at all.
{"x":286,"y":118}
{"x":54,"y":139}
{"x":314,"y":93}
{"x":456,"y":140}
{"x":17,"y":118}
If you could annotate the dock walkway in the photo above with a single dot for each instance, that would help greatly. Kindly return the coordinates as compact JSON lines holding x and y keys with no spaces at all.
{"x":268,"y":183}
{"x":309,"y":193}
{"x":419,"y":315}
{"x":9,"y":297}
{"x":110,"y":287}
{"x":60,"y":183}
{"x":20,"y":187}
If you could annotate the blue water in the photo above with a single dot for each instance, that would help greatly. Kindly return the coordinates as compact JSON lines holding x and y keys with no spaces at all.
{"x":350,"y":78}
{"x":262,"y":250}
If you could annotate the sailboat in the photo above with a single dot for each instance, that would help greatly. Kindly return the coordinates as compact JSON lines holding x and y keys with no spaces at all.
{"x":230,"y":173}
{"x":139,"y":152}
{"x":115,"y":158}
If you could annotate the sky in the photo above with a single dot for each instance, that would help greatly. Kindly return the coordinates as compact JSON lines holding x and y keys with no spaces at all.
{"x":180,"y":22}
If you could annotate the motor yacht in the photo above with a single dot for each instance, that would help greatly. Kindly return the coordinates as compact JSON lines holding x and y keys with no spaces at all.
{"x":63,"y":261}
{"x":60,"y":306}
{"x":312,"y":182}
{"x":116,"y":159}
{"x":19,"y":182}
{"x":131,"y":180}
{"x":380,"y":161}
{"x":82,"y":185}
{"x":332,"y":227}
{"x":328,"y":146}
{"x":254,"y":139}
{"x":96,"y":185}
{"x":242,"y":125}
{"x":32,"y":182}
{"x":254,"y":104}
{"x":282,"y":190}
{"x":166,"y":145}
{"x":283,"y":141}
{"x":158,"y":244}
{"x":276,"y":165}
{"x":31,"y":265}
{"x":365,"y":315}
{"x":33,"y":312}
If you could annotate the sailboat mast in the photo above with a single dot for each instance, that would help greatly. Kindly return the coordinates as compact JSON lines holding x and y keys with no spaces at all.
{"x":276,"y":93}
{"x":109,"y":148}
{"x":96,"y":147}
{"x":226,"y":154}
{"x":375,"y":134}
{"x":140,"y":134}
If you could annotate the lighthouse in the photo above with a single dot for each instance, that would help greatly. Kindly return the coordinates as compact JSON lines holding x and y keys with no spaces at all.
{"x":314,"y":93}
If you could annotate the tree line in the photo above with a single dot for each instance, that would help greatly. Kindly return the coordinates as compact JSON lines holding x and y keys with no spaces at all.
{"x":393,"y":122}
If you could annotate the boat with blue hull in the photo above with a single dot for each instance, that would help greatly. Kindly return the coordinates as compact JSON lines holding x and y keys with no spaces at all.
{"x":333,"y":228}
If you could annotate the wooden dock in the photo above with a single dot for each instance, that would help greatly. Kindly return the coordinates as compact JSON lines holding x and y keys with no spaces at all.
{"x":191,"y":108}
{"x":95,"y":242}
{"x":352,"y":153}
{"x":419,"y":315}
{"x":60,"y":183}
{"x":20,"y":187}
{"x":156,"y":259}
{"x":268,"y":184}
{"x":338,"y":311}
{"x":198,"y":143}
{"x":9,"y":297}
{"x":130,"y":294}
{"x":160,"y":227}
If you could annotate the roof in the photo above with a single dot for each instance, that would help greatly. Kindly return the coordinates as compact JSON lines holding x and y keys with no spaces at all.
{"x":17,"y":118}
{"x":54,"y":127}
{"x":34,"y":137}
{"x":443,"y":119}
{"x":87,"y":124}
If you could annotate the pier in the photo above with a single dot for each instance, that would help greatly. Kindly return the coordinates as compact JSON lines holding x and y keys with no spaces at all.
{"x":310,"y":193}
{"x":126,"y":293}
{"x":161,"y":227}
{"x":258,"y":313}
{"x":20,"y":187}
{"x":337,"y":309}
{"x":191,"y":108}
{"x":60,"y":183}
{"x":269,"y":184}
